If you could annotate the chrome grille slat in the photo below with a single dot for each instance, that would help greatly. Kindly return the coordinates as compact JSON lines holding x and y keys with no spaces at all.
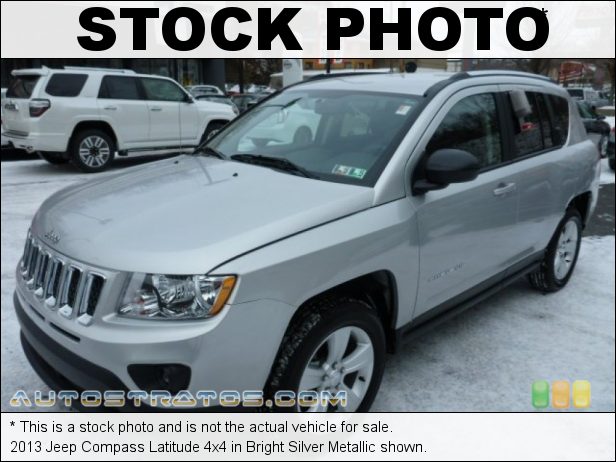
{"x":72,"y":289}
{"x":26,"y":256}
{"x":41,"y":274}
{"x":52,"y":282}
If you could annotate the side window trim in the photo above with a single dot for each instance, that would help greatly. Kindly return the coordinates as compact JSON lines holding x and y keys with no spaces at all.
{"x":503,"y":108}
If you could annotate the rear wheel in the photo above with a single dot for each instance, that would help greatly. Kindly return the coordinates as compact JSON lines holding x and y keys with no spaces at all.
{"x":92,"y":151}
{"x":561,"y":255}
{"x":55,"y":158}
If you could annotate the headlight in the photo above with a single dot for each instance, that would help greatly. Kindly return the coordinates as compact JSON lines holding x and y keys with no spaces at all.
{"x":159,"y":296}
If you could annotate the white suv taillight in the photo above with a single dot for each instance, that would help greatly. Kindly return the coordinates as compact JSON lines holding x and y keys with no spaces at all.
{"x":38,"y":107}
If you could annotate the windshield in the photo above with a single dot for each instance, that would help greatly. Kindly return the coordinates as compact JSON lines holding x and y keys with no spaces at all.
{"x":340,"y":136}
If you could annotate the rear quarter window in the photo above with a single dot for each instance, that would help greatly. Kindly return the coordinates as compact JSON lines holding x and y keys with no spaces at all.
{"x":22,"y":86}
{"x":66,"y":84}
{"x":560,"y":111}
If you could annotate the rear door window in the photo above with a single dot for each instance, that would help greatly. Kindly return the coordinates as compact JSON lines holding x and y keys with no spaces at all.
{"x":22,"y":86}
{"x":116,"y":87}
{"x":66,"y":84}
{"x":527,"y":130}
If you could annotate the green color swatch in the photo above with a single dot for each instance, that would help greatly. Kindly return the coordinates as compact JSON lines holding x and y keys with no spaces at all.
{"x":540,"y":394}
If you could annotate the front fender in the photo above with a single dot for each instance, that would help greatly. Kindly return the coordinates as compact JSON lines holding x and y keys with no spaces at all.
{"x":302,"y":266}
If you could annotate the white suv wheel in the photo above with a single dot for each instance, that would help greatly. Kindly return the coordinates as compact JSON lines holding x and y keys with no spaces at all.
{"x":94,"y":151}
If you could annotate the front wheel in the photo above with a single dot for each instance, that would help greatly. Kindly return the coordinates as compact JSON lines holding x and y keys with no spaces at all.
{"x":92,"y":151}
{"x":603,"y":146}
{"x":211,"y":129}
{"x":336,"y":345}
{"x":561,"y":255}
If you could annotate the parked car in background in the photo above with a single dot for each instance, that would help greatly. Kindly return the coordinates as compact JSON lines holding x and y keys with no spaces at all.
{"x":221,"y":99}
{"x":87,"y":115}
{"x":244,"y":101}
{"x":597,"y":127}
{"x":608,"y":113}
{"x":297,"y":265}
{"x":5,"y":140}
{"x":197,"y":90}
{"x":610,"y":149}
{"x":588,"y":95}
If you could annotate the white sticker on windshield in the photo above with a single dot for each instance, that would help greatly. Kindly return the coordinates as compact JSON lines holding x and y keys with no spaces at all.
{"x":345,"y":170}
{"x":403,"y":110}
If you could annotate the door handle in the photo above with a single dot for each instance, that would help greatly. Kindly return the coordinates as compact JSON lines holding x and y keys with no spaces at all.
{"x":504,"y":188}
{"x":156,"y":109}
{"x":110,"y":108}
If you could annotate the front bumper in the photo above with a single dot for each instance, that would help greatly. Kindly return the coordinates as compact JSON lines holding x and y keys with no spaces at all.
{"x":235,"y":354}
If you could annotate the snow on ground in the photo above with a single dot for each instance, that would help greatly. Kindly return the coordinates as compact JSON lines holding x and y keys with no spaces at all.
{"x":483,"y":360}
{"x":607,"y":174}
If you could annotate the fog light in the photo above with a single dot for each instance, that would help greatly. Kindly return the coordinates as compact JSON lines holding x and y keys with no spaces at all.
{"x":169,"y":377}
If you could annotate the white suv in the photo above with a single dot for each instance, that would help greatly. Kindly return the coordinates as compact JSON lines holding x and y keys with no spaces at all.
{"x":86,"y":115}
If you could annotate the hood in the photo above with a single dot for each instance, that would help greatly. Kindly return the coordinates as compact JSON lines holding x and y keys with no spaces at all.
{"x":188,"y":214}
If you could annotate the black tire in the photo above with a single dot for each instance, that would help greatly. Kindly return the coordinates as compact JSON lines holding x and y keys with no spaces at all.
{"x":100,"y":157}
{"x":546,"y":278}
{"x":305,"y":335}
{"x":212,"y":126}
{"x":602,"y":146}
{"x":611,"y":163}
{"x":54,"y":158}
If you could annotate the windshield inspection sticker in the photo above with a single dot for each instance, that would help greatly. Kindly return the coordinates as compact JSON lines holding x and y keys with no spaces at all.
{"x":345,"y":170}
{"x":403,"y":110}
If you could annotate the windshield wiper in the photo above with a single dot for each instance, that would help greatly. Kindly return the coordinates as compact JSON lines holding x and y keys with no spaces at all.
{"x":278,"y":163}
{"x":209,"y":151}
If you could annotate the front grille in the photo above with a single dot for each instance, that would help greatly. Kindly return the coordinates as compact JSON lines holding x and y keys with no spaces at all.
{"x":70,"y":288}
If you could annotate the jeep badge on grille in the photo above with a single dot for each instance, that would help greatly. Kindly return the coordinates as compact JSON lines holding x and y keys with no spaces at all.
{"x":52,"y":236}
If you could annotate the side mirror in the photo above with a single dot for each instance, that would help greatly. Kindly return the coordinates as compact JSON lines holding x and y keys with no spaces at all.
{"x":446,"y":166}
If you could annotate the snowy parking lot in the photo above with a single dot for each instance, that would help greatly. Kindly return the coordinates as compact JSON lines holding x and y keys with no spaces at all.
{"x":484,"y":360}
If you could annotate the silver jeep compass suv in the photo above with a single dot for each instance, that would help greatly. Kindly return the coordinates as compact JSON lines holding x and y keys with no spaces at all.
{"x":309,"y":237}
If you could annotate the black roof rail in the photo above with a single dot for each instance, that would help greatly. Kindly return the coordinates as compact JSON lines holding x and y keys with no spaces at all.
{"x":344,"y":74}
{"x":438,"y":86}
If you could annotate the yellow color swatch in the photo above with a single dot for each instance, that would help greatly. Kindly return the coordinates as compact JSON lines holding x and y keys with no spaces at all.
{"x":581,"y":394}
